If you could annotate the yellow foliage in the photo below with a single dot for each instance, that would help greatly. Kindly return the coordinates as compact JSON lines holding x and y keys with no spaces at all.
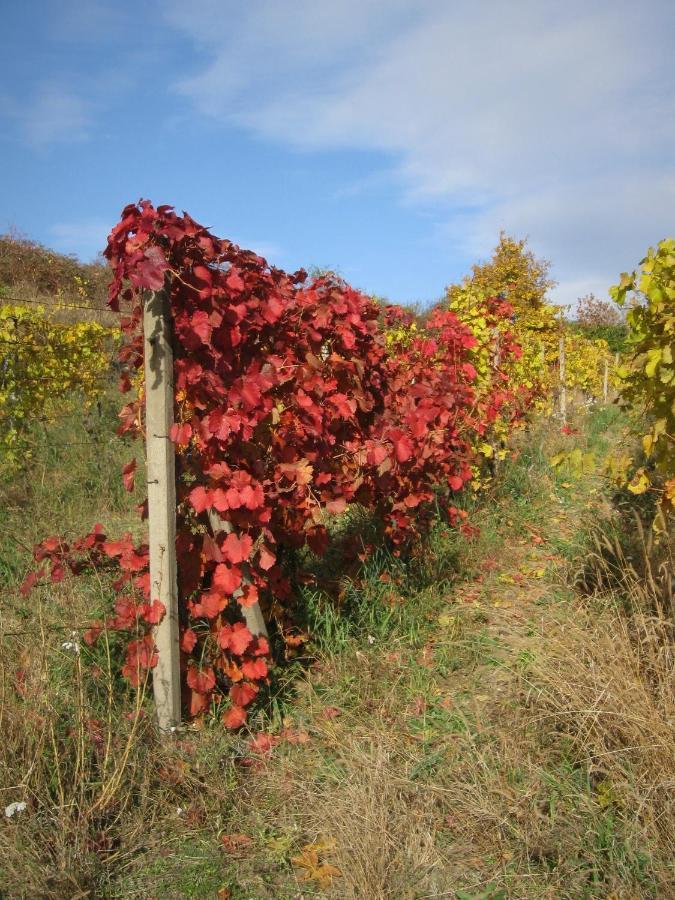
{"x":585,"y":364}
{"x":515,"y":275}
{"x":400,"y":336}
{"x":648,"y":379}
{"x":40,"y":362}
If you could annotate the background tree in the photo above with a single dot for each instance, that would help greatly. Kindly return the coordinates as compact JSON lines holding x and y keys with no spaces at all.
{"x":513,"y":272}
{"x":601,"y":320}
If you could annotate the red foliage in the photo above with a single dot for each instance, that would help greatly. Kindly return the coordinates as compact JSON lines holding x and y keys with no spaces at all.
{"x":288,"y":406}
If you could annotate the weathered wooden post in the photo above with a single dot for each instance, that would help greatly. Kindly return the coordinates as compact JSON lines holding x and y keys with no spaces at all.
{"x":255,"y":621}
{"x":161,"y":474}
{"x":563,"y":386}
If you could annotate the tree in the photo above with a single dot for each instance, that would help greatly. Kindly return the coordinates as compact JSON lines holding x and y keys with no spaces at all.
{"x":512,"y":272}
{"x":600,"y":320}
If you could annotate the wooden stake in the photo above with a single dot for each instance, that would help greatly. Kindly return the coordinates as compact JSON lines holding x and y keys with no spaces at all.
{"x":605,"y":381}
{"x":161,"y":469}
{"x":563,"y":387}
{"x":255,"y":621}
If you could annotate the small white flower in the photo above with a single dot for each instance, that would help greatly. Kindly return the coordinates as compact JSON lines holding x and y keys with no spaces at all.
{"x":71,"y":647}
{"x":15,"y":808}
{"x":371,"y":639}
{"x":180,"y":811}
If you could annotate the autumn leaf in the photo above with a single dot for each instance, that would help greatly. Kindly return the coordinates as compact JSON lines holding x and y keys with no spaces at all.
{"x":236,"y":638}
{"x":234,"y":717}
{"x":669,"y":490}
{"x":308,"y":860}
{"x":248,"y":596}
{"x":255,"y":669}
{"x":640,"y":483}
{"x":236,"y":845}
{"x":266,"y":558}
{"x":237,"y":548}
{"x":188,"y":640}
{"x":226,"y":578}
{"x":200,"y":499}
{"x":403,"y":446}
{"x":201,"y":680}
{"x":335,"y":507}
{"x":128,"y":472}
{"x":300,"y":472}
{"x":243,"y":694}
{"x":212,"y":603}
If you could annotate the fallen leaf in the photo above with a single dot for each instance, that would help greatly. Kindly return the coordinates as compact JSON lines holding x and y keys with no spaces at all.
{"x":237,"y":845}
{"x":280,"y":845}
{"x":294,"y":736}
{"x":321,"y":873}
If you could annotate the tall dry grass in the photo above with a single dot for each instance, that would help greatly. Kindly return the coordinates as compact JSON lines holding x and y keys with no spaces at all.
{"x":553,"y":775}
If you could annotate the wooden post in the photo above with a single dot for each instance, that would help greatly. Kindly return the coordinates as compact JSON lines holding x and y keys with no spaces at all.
{"x":255,"y":621}
{"x":605,"y":381}
{"x":563,"y":387}
{"x":161,"y":473}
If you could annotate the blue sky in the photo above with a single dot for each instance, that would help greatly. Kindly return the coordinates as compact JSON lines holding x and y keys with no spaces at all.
{"x":390,"y":139}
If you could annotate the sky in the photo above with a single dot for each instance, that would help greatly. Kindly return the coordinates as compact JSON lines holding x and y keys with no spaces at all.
{"x":391,"y":140}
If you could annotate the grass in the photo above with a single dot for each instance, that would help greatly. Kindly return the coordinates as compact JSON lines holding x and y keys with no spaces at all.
{"x":478,"y":721}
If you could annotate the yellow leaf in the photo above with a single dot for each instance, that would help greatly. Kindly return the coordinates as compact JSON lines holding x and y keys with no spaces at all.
{"x":280,"y":845}
{"x":321,"y":844}
{"x":450,"y":622}
{"x":320,"y":872}
{"x":669,"y":490}
{"x":640,"y":483}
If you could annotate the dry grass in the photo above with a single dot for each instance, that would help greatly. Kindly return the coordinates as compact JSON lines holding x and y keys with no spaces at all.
{"x":542,"y":766}
{"x":561,"y":788}
{"x":68,"y":753}
{"x":607,"y":683}
{"x":522,"y":757}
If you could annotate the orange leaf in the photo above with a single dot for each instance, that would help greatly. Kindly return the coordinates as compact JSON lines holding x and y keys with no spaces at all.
{"x":236,"y":845}
{"x":234,"y":717}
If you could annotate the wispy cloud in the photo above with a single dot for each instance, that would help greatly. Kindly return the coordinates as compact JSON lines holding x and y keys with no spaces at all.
{"x":85,"y":238}
{"x":556,"y":121}
{"x":270,"y":250}
{"x":52,"y":115}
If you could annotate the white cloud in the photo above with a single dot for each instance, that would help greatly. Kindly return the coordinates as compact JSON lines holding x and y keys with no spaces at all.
{"x":54,"y":115}
{"x":551,"y":120}
{"x":85,"y":238}
{"x":270,"y":250}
